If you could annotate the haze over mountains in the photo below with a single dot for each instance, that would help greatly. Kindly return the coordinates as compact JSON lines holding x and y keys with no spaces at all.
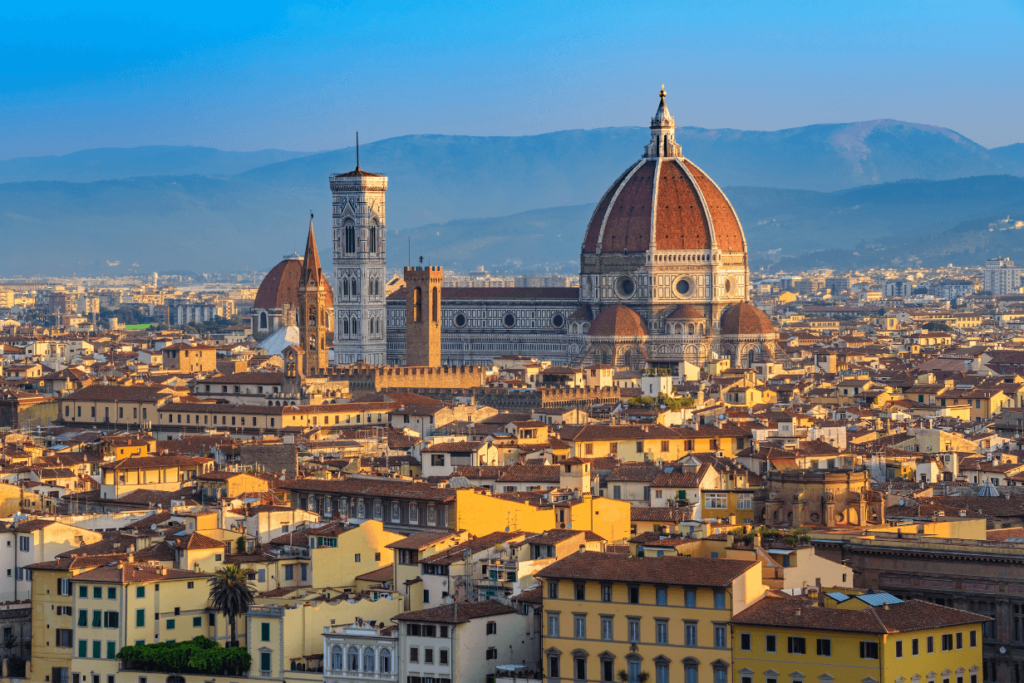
{"x":508,"y":203}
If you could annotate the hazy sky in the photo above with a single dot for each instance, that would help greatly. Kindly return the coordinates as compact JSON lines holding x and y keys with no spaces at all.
{"x":305,"y":76}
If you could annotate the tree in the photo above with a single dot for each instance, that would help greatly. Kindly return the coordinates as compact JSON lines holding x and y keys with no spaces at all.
{"x":231,"y":594}
{"x":936,"y":326}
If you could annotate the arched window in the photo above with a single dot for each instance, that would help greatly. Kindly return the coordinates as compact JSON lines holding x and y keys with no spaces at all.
{"x":690,"y":328}
{"x":344,"y":326}
{"x":702,"y":328}
{"x":373,"y":240}
{"x":350,"y":236}
{"x":385,"y":661}
{"x":312,"y":342}
{"x":353,"y":659}
{"x":355,"y":287}
{"x":434,"y":306}
{"x":750,"y":358}
{"x":417,"y":305}
{"x":337,"y":659}
{"x":344,"y":286}
{"x":312,"y":315}
{"x":690,"y":670}
{"x":355,"y":327}
{"x":369,"y":661}
{"x":263,"y":320}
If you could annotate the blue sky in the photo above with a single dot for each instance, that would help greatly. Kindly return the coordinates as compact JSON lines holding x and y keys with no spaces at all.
{"x":305,"y":76}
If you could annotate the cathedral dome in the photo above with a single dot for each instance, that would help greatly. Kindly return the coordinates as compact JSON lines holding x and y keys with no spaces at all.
{"x":618,"y":321}
{"x":281,"y":285}
{"x":745,"y":318}
{"x":689,"y":210}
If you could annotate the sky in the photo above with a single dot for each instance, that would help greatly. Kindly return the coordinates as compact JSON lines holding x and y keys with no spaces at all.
{"x":305,"y":76}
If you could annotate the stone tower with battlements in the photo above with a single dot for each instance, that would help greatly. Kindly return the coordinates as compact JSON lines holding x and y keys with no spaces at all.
{"x":360,"y":330}
{"x":314,"y":310}
{"x":423,"y":315}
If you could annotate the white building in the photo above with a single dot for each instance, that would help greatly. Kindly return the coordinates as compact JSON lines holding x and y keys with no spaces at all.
{"x":1002,"y":276}
{"x":362,"y":651}
{"x":464,"y":641}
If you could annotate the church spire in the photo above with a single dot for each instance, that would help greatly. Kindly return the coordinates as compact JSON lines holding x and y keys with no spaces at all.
{"x":663,"y":133}
{"x":311,"y":271}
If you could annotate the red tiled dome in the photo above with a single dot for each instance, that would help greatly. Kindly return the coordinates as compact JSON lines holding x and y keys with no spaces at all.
{"x":618,"y":321}
{"x":691,"y":212}
{"x":686,"y":312}
{"x":689,"y":209}
{"x":281,"y":286}
{"x":746,"y":318}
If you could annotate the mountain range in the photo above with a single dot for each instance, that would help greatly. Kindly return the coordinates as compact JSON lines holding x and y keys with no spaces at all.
{"x":508,"y":203}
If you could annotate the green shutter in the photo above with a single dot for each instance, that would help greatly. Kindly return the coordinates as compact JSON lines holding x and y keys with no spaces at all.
{"x":83,"y":649}
{"x":110,"y":649}
{"x":97,"y":649}
{"x":97,"y":618}
{"x":83,"y":617}
{"x":140,"y":591}
{"x":83,"y":591}
{"x":140,"y":617}
{"x":265,"y":632}
{"x":197,"y":621}
{"x":264,"y":661}
{"x":170,"y":624}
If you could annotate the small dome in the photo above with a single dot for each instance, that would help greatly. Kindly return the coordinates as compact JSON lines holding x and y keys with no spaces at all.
{"x":618,"y":321}
{"x":746,"y":318}
{"x":687,"y":312}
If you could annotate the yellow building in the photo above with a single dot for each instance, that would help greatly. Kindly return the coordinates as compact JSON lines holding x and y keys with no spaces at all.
{"x":873,"y":637}
{"x":341,"y":552}
{"x":132,"y":603}
{"x":287,"y":640}
{"x":53,"y":621}
{"x":725,"y":504}
{"x":163,"y":473}
{"x":666,"y":616}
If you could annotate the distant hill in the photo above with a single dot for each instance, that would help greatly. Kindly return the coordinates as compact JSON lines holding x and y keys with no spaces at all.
{"x":797,"y":190}
{"x":113,"y":163}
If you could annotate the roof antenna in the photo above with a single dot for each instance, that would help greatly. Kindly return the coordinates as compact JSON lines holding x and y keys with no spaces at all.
{"x":357,"y":150}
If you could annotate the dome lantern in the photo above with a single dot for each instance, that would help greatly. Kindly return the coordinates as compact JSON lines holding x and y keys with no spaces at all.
{"x":663,"y":133}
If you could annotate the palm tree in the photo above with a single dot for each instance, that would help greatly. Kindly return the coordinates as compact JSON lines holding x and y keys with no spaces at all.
{"x":231,"y":594}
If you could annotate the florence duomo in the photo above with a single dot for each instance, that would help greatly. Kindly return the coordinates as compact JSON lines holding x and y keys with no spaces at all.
{"x":663,"y":279}
{"x":720,"y":381}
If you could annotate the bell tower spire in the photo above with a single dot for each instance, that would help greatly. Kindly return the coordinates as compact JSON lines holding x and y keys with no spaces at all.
{"x":314,"y":313}
{"x":663,"y":133}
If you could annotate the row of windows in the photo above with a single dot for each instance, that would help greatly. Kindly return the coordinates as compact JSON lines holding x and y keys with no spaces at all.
{"x":357,"y":508}
{"x":369,"y":661}
{"x":797,"y":645}
{"x":632,"y":673}
{"x":428,"y":655}
{"x":633,"y":594}
{"x":97,"y":649}
{"x":661,"y":636}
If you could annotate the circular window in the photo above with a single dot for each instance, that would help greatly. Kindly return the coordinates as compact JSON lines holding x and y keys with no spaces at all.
{"x":557,"y":320}
{"x":509,"y":320}
{"x":625,"y":287}
{"x":728,"y":285}
{"x":684,"y":287}
{"x":460,"y":320}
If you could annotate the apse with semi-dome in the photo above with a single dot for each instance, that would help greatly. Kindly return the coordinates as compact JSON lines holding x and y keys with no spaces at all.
{"x":663,"y":279}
